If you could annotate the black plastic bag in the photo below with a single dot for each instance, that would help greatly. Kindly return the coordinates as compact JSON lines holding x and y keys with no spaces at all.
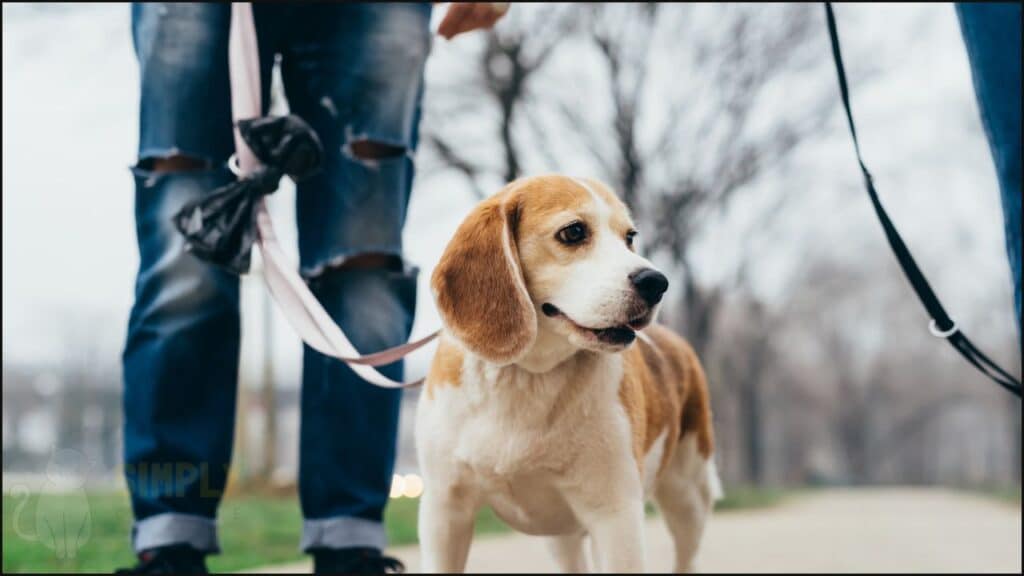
{"x":221,"y":227}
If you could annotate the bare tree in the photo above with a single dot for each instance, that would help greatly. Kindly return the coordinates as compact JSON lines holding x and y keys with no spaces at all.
{"x":742,"y":368}
{"x":497,"y":85}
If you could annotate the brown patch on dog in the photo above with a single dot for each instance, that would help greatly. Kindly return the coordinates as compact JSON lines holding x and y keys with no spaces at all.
{"x":446,"y":368}
{"x":547,"y":195}
{"x":544,"y":198}
{"x":664,"y":389}
{"x":632,"y":394}
{"x":651,"y":378}
{"x":697,"y":416}
{"x":621,"y":220}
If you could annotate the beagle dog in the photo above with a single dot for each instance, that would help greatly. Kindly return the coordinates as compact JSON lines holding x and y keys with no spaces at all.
{"x":552,"y":398}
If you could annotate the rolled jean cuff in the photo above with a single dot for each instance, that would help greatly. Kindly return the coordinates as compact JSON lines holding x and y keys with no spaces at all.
{"x":166,"y":529}
{"x":343,"y":532}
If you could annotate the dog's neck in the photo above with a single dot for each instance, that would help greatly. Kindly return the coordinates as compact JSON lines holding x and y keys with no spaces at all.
{"x":548,"y":351}
{"x":550,"y":362}
{"x":530,"y":395}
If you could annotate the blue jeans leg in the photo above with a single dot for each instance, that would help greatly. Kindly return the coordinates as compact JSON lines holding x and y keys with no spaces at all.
{"x":992,"y":36}
{"x":180,"y":358}
{"x":349,"y":427}
{"x":355,"y":73}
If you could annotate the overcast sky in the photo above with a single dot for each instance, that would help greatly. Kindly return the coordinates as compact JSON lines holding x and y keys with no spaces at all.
{"x":70,"y":102}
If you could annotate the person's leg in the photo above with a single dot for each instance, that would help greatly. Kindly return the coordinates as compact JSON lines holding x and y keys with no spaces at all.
{"x":992,"y":36}
{"x":180,"y":358}
{"x":355,"y":73}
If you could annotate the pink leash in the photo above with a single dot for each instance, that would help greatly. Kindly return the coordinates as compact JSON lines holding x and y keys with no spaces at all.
{"x":306,"y":315}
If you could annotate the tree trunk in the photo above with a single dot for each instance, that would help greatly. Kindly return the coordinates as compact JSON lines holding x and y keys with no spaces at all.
{"x":750,"y":407}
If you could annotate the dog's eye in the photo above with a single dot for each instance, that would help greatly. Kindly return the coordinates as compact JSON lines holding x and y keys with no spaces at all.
{"x":629,"y":238}
{"x":572,"y":234}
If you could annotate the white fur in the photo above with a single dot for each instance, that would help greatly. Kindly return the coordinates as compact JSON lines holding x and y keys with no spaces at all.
{"x":652,"y":461}
{"x":550,"y":452}
{"x":715,"y":481}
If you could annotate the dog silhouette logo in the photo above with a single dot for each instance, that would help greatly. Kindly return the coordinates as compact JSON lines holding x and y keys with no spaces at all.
{"x":63,"y":519}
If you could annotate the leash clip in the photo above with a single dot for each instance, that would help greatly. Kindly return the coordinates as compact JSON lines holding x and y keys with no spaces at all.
{"x":934,"y":329}
{"x":234,"y":167}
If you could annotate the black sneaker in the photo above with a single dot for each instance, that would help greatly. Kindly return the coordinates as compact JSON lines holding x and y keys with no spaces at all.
{"x":174,"y":559}
{"x":354,"y":561}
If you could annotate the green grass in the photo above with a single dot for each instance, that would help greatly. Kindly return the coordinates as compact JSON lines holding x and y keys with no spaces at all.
{"x":255,"y":529}
{"x":1010,"y":495}
{"x":1005,"y":494}
{"x":747,"y":497}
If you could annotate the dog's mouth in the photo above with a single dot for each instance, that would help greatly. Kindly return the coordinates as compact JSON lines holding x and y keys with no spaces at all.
{"x":618,"y":335}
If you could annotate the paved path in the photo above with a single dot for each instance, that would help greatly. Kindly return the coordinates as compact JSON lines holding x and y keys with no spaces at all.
{"x":886,"y":530}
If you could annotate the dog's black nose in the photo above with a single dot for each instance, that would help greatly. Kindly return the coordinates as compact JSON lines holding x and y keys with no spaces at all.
{"x":650,"y":284}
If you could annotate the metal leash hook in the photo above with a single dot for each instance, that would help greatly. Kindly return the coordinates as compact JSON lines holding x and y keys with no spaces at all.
{"x":933,"y":327}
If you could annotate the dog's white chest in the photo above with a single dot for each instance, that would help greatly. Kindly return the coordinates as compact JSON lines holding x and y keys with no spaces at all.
{"x":531,"y":503}
{"x":515,"y":467}
{"x":527,"y":448}
{"x":518,"y":469}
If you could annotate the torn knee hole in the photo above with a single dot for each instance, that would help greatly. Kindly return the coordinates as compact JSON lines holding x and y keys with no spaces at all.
{"x":174,"y":163}
{"x":373,"y":150}
{"x":370,"y":261}
{"x":366,"y":261}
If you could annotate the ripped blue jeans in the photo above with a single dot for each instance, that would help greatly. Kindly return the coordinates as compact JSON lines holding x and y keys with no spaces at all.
{"x":354,"y":72}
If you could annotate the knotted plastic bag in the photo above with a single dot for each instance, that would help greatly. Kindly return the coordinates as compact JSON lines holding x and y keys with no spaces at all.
{"x":221,"y":226}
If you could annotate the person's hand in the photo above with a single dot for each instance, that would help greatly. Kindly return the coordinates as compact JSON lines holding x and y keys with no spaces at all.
{"x":468,"y":16}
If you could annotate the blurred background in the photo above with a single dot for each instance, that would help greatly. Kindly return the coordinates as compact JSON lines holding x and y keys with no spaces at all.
{"x":719,"y":124}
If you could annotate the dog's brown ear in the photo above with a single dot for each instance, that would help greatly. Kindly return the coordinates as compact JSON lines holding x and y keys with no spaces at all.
{"x":479,"y":286}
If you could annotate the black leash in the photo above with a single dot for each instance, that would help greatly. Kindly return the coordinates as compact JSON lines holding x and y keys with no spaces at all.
{"x":942,"y":326}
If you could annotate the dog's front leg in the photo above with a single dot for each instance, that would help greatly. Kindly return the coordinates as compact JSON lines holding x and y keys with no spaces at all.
{"x":612,"y":512}
{"x":445,"y":529}
{"x":618,"y":538}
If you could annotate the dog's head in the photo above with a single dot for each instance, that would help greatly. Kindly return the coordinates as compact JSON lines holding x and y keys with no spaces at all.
{"x":550,"y":256}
